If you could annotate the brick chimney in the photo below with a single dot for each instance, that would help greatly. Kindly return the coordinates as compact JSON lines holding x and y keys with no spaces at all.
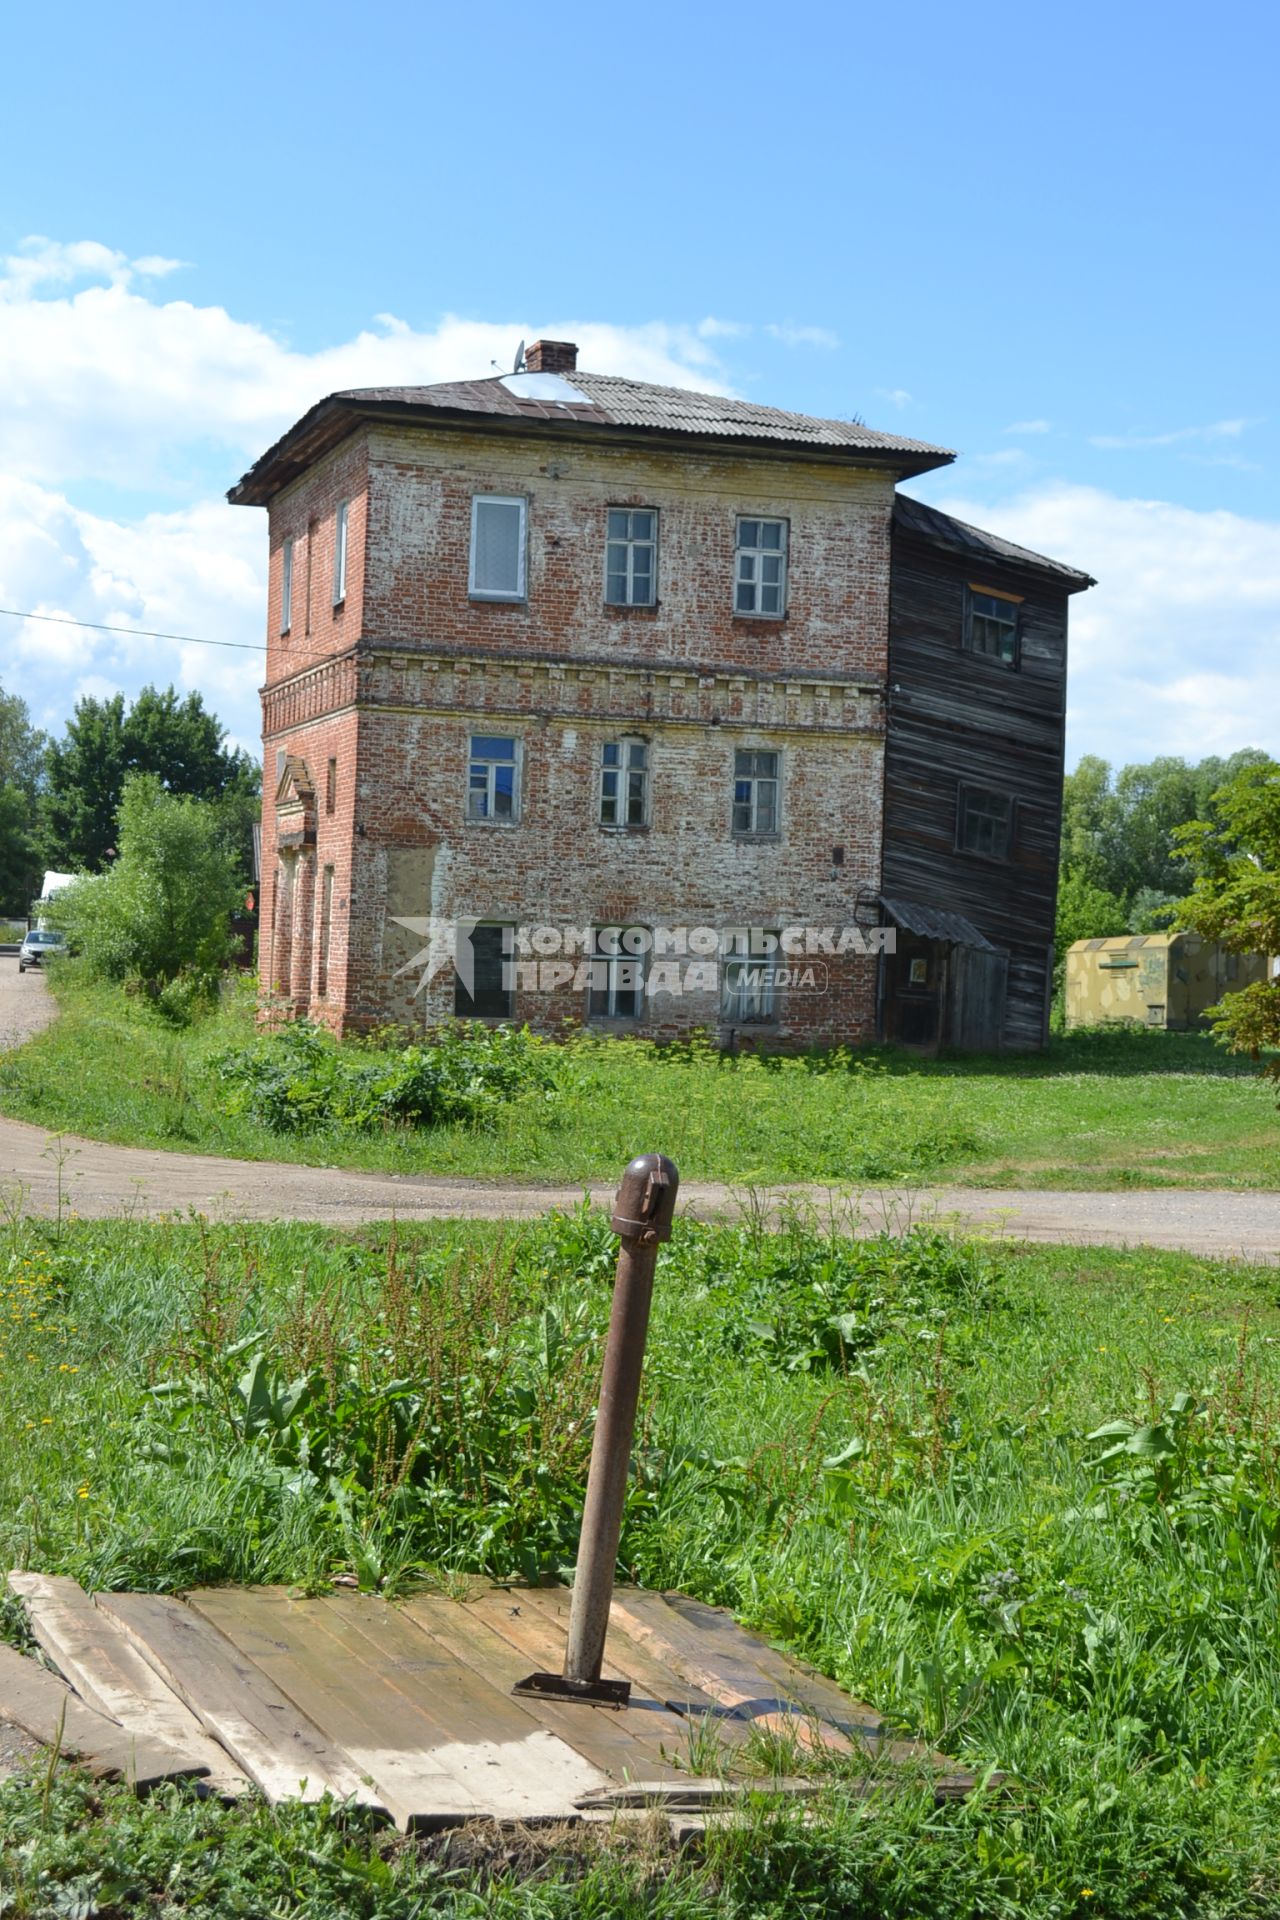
{"x":551,"y":356}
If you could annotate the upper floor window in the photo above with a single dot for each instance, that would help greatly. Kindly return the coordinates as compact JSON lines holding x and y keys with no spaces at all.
{"x":746,"y":982}
{"x":286,"y":585}
{"x":340,"y":554}
{"x":624,"y":783}
{"x":497,"y":547}
{"x":755,"y":791}
{"x":331,"y":786}
{"x":760,"y":573}
{"x":618,"y":973}
{"x":984,"y":822}
{"x":631,"y":557}
{"x":991,"y":624}
{"x":493,"y":779}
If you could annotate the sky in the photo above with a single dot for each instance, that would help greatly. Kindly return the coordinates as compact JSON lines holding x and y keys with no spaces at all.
{"x":1045,"y":237}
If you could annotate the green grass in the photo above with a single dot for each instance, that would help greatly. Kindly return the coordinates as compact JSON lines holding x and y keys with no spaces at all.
{"x":1104,"y":1110}
{"x":878,"y":1453}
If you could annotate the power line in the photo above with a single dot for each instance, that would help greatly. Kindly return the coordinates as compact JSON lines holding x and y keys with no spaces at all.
{"x":137,"y":633}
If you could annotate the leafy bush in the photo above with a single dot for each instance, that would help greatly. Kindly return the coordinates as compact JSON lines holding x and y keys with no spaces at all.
{"x":164,"y":909}
{"x":297,"y":1078}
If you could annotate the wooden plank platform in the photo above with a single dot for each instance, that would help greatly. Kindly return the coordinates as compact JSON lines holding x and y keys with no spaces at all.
{"x":45,"y":1707}
{"x":408,"y":1707}
{"x":110,"y":1675}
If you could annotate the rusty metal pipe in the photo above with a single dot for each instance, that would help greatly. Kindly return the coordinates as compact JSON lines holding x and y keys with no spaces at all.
{"x":642,"y":1218}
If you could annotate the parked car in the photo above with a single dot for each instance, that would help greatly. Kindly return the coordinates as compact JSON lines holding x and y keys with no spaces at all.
{"x":37,"y":947}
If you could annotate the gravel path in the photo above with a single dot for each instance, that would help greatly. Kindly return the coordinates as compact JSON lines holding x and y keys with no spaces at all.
{"x":103,"y":1181}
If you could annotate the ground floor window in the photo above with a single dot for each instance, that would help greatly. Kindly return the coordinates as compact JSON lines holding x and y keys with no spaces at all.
{"x":618,"y":973}
{"x":747,"y":980}
{"x":484,"y":954}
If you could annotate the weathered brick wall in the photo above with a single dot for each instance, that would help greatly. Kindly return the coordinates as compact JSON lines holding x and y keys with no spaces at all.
{"x":394,"y":699}
{"x":421,"y":485}
{"x":306,"y":512}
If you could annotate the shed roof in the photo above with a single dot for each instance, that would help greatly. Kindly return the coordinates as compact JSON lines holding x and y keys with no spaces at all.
{"x":574,"y":404}
{"x":933,"y":923}
{"x":930,"y":523}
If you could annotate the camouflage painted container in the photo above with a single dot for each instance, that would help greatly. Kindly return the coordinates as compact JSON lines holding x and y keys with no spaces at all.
{"x":1165,"y":980}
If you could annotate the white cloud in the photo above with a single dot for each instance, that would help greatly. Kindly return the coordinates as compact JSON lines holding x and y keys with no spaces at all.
{"x":713,"y":329}
{"x":792,"y":336}
{"x":198,"y":571}
{"x":1216,"y":430}
{"x":103,"y":381}
{"x":896,"y":396}
{"x":1030,"y":426}
{"x":1177,"y":649}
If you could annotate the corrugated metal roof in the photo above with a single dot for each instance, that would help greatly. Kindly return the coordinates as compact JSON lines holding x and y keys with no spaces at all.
{"x":606,"y":402}
{"x":913,"y":516}
{"x":932,"y":923}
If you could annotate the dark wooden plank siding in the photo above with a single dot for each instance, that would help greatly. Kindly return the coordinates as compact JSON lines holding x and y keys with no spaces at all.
{"x":956,"y":717}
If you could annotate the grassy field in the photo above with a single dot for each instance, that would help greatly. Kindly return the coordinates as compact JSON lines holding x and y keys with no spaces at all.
{"x":1098,"y":1110}
{"x":886,"y":1455}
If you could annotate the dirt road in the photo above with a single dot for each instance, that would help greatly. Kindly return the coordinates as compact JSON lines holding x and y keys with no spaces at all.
{"x":102,"y":1181}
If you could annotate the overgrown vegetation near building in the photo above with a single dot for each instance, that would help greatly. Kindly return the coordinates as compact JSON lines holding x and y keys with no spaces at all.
{"x":1105,"y":1109}
{"x":1025,"y":1502}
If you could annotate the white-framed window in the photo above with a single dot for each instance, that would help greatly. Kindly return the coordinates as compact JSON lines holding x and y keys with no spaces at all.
{"x":489,"y":963}
{"x":619,"y":964}
{"x":624,"y":783}
{"x":493,"y":778}
{"x":755,"y":790}
{"x":340,"y":552}
{"x":747,"y":980}
{"x":631,"y":557}
{"x":498,"y":539}
{"x":760,"y":570}
{"x":286,"y":584}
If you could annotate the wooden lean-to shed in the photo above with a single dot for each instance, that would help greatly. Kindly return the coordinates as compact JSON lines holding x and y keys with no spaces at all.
{"x":1166,"y":980}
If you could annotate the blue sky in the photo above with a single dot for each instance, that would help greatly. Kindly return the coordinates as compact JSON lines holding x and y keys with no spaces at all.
{"x":1045,"y":238}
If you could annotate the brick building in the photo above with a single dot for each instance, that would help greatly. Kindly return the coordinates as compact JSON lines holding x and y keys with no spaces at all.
{"x":562,"y":650}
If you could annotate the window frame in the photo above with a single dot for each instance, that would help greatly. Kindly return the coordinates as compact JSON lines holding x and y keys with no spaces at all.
{"x":494,"y":594}
{"x":783,"y":553}
{"x":516,"y":762}
{"x":625,"y":743}
{"x":730,"y":957}
{"x":975,"y":591}
{"x":341,"y":555}
{"x":464,"y":1013}
{"x":967,"y":790}
{"x":754,"y":831}
{"x":631,"y":543}
{"x":286,"y":584}
{"x":612,"y":962}
{"x":331,"y":784}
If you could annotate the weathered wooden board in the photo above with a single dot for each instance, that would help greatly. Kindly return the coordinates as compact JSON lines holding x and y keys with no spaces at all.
{"x":45,"y":1707}
{"x":109,"y":1674}
{"x":261,"y":1729}
{"x":725,"y":1672}
{"x":439,"y":1744}
{"x":624,"y":1746}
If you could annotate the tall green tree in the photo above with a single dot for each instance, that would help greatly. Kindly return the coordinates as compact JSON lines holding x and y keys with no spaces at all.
{"x":1235,"y":857}
{"x":177,"y":740}
{"x":22,"y":751}
{"x":1120,"y":835}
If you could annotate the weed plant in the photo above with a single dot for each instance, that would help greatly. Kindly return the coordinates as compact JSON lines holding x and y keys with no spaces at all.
{"x":1026,"y":1503}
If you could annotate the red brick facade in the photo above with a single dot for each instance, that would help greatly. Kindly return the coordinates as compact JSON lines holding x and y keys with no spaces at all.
{"x":369,"y":708}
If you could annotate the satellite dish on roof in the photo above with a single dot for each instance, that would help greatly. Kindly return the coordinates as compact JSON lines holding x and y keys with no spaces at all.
{"x":518,"y":366}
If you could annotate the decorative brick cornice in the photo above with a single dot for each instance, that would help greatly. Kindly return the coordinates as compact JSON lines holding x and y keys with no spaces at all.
{"x":401,"y":679}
